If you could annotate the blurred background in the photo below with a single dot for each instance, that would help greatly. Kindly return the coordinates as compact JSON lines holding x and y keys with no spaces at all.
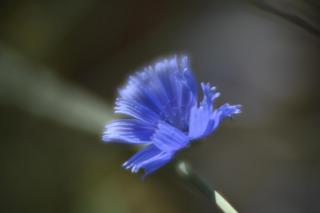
{"x":62,"y":61}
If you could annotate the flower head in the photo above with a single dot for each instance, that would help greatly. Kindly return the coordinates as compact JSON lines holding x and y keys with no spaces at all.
{"x":164,"y":113}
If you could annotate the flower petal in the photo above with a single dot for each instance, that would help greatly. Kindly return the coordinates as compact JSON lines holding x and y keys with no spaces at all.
{"x":200,"y":116}
{"x":135,"y":110}
{"x":222,"y":112}
{"x":203,"y":122}
{"x":209,"y":95}
{"x":149,"y":158}
{"x":180,"y":86}
{"x":199,"y":121}
{"x":168,"y":138}
{"x":128,"y":131}
{"x":167,"y":91}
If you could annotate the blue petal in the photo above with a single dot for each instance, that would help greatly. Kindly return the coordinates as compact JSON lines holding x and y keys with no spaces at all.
{"x":203,"y":122}
{"x":135,"y":110}
{"x":149,"y":158}
{"x":209,"y":95}
{"x":222,"y":112}
{"x":168,"y":138}
{"x":188,"y":76}
{"x":200,"y":116}
{"x":166,"y":91}
{"x":180,"y":86}
{"x":157,"y":163}
{"x":128,"y":131}
{"x":137,"y":91}
{"x":199,"y":122}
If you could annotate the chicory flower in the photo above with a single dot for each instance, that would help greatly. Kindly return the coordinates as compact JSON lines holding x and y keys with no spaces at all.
{"x":164,"y":113}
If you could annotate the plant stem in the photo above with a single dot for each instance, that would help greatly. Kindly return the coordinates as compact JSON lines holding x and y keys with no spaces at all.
{"x":186,"y":172}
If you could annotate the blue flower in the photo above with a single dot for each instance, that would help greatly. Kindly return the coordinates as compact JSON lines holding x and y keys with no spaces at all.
{"x":164,"y":113}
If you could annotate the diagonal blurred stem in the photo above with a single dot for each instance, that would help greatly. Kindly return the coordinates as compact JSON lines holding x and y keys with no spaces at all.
{"x":300,"y":13}
{"x":186,"y":172}
{"x":41,"y":92}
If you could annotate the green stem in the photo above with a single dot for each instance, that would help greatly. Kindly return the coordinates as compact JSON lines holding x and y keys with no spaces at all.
{"x":186,"y":172}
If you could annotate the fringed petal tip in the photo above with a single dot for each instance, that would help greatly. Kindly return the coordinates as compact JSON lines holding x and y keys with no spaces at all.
{"x":237,"y":109}
{"x":209,"y":94}
{"x":228,"y":110}
{"x":106,"y":134}
{"x":131,"y":131}
{"x":149,"y":159}
{"x":105,"y":138}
